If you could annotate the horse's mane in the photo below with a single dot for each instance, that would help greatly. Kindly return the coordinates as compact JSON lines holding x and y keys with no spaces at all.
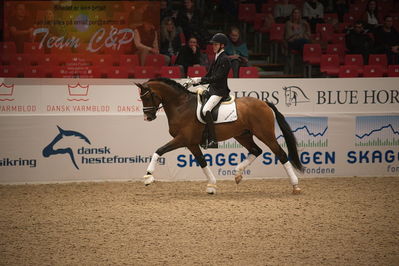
{"x":173,"y":84}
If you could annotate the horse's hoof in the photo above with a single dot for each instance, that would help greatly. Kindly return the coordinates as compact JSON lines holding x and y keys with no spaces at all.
{"x":148,"y":179}
{"x":238,"y":179}
{"x":211,"y":189}
{"x":296,"y":190}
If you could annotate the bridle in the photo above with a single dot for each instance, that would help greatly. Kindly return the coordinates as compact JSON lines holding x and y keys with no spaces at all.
{"x":153,"y":108}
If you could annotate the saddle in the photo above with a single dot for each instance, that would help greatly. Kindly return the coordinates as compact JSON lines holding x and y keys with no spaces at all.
{"x":224,"y":111}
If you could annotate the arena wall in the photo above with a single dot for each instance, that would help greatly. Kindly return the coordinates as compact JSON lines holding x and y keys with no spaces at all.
{"x":60,"y":130}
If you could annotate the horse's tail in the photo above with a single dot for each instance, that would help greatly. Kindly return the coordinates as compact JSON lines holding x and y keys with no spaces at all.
{"x":289,"y":138}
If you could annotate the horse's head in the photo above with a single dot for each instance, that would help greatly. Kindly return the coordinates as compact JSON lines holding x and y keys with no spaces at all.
{"x":56,"y":147}
{"x":151,"y":101}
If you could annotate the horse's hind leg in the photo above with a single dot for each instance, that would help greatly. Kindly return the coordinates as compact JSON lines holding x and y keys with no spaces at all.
{"x":283,"y":158}
{"x":247,"y":141}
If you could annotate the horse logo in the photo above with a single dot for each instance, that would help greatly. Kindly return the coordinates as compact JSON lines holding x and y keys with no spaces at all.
{"x":294,"y":95}
{"x":50,"y":150}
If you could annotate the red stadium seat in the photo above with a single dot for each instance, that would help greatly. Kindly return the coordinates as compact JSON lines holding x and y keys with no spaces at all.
{"x":276,"y":37}
{"x":329,"y":64}
{"x":33,"y":48}
{"x":338,"y":49}
{"x":311,"y":56}
{"x":8,"y":71}
{"x":246,"y":12}
{"x":197,"y":71}
{"x":173,"y":72}
{"x":348,"y":71}
{"x":326,"y":31}
{"x":393,"y":71}
{"x":379,"y":59}
{"x":248,"y":72}
{"x":117,"y":72}
{"x":355,"y":60}
{"x":155,"y":60}
{"x":128,"y":59}
{"x":8,"y":48}
{"x":373,"y":71}
{"x":34,"y":72}
{"x":144,"y":72}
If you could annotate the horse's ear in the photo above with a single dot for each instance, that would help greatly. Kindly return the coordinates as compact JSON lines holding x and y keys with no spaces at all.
{"x":61,"y":130}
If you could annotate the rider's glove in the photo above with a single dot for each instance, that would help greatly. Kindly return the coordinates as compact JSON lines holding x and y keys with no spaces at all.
{"x":196,"y":81}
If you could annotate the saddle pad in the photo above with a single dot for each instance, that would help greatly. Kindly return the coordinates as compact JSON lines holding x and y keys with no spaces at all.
{"x":227,"y":111}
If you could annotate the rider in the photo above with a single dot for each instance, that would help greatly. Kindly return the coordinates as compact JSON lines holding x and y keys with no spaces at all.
{"x":217,"y":80}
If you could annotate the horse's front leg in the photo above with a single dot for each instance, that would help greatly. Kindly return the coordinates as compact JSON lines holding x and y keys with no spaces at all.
{"x":170,"y":146}
{"x":196,"y":151}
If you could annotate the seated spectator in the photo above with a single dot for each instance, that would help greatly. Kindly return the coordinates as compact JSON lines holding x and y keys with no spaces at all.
{"x":370,"y":16}
{"x":146,"y":38}
{"x":237,"y":51}
{"x":21,"y":27}
{"x":170,"y":38}
{"x":189,"y":55}
{"x":282,"y":11}
{"x":297,"y":31}
{"x":313,"y":12}
{"x":386,"y":40}
{"x":189,"y":19}
{"x":358,"y":41}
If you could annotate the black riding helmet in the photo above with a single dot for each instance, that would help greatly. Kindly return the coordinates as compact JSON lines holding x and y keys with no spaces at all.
{"x":219,"y":38}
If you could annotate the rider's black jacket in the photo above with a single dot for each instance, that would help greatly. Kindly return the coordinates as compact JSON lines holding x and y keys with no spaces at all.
{"x":217,"y":76}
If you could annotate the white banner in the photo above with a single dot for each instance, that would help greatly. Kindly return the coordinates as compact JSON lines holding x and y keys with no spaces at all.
{"x":78,"y":130}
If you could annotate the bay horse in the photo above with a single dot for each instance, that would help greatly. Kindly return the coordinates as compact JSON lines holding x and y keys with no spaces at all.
{"x":255,"y":118}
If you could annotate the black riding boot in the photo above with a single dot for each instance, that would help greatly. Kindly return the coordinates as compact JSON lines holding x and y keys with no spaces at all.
{"x":212,"y":143}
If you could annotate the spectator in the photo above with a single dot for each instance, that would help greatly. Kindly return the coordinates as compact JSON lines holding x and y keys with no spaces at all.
{"x":237,"y":51}
{"x":21,"y":27}
{"x":282,"y":11}
{"x":146,"y":38}
{"x":190,"y":20}
{"x":313,"y":12}
{"x":166,"y":10}
{"x":170,"y":38}
{"x":387,"y":40}
{"x":370,"y":16}
{"x":189,"y":55}
{"x":358,"y":41}
{"x":297,"y":31}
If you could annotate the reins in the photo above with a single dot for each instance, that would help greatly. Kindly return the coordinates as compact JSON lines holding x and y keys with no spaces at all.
{"x":150,"y":108}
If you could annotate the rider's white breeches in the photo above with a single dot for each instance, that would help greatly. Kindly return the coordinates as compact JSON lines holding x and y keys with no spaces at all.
{"x":212,"y":102}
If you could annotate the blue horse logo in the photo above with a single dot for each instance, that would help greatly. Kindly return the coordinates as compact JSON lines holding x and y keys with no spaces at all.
{"x":49,"y":149}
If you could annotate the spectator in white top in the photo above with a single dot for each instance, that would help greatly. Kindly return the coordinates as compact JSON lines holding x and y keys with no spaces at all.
{"x":282,"y":11}
{"x":313,"y":12}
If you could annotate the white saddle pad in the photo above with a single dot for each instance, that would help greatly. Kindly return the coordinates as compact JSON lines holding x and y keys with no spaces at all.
{"x":227,"y":111}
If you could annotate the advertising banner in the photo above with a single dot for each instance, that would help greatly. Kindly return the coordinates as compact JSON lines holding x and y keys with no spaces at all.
{"x":81,"y":130}
{"x":68,"y":34}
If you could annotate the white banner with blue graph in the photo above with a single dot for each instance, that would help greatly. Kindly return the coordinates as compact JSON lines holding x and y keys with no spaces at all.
{"x":61,"y":130}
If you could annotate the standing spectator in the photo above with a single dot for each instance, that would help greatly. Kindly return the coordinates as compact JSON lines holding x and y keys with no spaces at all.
{"x":190,"y":20}
{"x":358,"y":41}
{"x":237,"y":51}
{"x":170,"y":38}
{"x":387,"y":40}
{"x":313,"y":12}
{"x":21,"y":27}
{"x":370,"y":16}
{"x":282,"y":11}
{"x":189,"y":55}
{"x":297,"y":31}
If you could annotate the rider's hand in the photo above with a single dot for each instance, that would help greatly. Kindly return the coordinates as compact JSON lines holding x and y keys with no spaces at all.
{"x":196,"y":81}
